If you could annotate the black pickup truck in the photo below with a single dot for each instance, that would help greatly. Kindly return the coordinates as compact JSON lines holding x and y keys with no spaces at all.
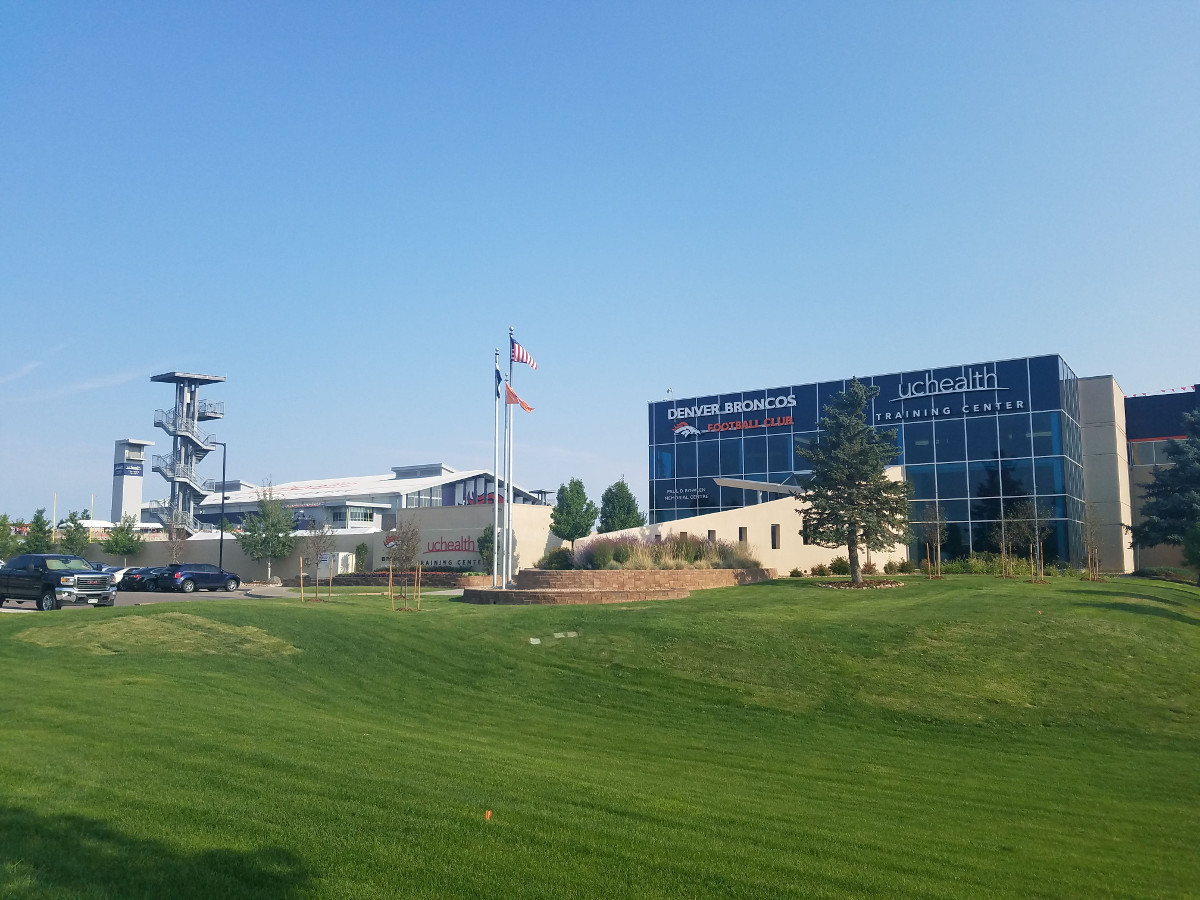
{"x":52,"y":579}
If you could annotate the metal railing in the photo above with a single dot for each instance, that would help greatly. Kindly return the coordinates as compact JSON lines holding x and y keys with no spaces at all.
{"x":169,"y":515}
{"x":172,"y":469}
{"x":211,"y":409}
{"x":174,"y":424}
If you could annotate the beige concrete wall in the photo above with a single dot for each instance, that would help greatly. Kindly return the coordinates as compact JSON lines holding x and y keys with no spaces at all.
{"x":757,"y":520}
{"x":460,"y":525}
{"x":1106,"y":469}
{"x":441,"y":527}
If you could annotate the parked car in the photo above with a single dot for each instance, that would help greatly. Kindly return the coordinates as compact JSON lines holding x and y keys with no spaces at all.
{"x":117,"y":572}
{"x":52,"y":579}
{"x":152,"y":576}
{"x":187,"y":577}
{"x":135,"y":579}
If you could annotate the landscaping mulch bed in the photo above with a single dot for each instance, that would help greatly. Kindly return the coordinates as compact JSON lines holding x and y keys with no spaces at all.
{"x":874,"y":583}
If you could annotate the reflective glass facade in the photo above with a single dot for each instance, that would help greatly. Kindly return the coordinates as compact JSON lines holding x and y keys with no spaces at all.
{"x":975,"y":438}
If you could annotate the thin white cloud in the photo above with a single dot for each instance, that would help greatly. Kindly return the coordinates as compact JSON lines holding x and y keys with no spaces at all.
{"x":78,"y":387}
{"x":19,"y":373}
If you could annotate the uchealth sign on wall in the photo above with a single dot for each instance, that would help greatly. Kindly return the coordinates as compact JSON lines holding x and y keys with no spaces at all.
{"x":449,"y":549}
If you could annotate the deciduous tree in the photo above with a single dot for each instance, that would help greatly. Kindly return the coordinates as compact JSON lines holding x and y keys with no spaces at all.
{"x":124,"y":540}
{"x":619,"y":508}
{"x":315,"y":540}
{"x":403,"y":550}
{"x":932,"y":531}
{"x":268,"y":533}
{"x":175,"y":537}
{"x":574,"y":514}
{"x":852,"y":503}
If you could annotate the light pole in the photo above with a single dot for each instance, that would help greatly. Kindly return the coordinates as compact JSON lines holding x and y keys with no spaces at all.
{"x":221,"y":521}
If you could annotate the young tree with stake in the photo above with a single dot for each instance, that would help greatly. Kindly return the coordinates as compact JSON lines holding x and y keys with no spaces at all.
{"x":267,"y":534}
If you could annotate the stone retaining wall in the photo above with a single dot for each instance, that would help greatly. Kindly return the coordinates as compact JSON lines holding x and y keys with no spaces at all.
{"x":428,"y":580}
{"x":584,"y":586}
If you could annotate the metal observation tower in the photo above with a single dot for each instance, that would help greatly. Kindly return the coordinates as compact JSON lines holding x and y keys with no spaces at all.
{"x":189,"y":445}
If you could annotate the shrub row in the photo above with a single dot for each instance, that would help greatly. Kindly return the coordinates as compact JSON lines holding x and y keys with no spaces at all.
{"x":839,"y":565}
{"x":673,"y":552}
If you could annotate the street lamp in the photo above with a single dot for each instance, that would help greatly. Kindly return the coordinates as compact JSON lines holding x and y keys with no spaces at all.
{"x":221,"y":521}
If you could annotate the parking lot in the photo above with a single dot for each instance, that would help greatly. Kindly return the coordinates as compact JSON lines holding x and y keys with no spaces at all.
{"x":142,"y":598}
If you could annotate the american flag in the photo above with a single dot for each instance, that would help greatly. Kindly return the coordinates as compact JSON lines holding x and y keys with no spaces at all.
{"x":513,"y":398}
{"x":521,"y":355}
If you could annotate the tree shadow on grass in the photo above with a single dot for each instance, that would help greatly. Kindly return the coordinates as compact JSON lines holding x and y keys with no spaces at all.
{"x":1140,"y":610}
{"x":75,"y":856}
{"x":1185,"y":597}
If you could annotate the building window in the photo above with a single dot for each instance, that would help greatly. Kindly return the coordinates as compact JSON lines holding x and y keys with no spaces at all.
{"x":427,"y":497}
{"x":361,"y":514}
{"x":683,"y":535}
{"x":742,"y":535}
{"x":712,"y":535}
{"x":339,"y":518}
{"x":774,"y":537}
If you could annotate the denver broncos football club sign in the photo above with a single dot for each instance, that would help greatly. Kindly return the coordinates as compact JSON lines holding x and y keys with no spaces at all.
{"x":683,"y":429}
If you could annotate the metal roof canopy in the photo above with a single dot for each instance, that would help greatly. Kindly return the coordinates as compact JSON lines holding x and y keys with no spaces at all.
{"x":176,"y":377}
{"x":767,"y":487}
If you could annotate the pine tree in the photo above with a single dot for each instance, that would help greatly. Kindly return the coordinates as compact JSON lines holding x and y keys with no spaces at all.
{"x":267,"y":534}
{"x":37,"y":538}
{"x":1172,"y":499}
{"x":124,"y":540}
{"x":574,"y":514}
{"x":75,"y":538}
{"x":1191,"y":549}
{"x":851,"y":501}
{"x":619,"y":508}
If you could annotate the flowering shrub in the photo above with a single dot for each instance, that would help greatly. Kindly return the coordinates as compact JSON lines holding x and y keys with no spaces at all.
{"x":673,"y":552}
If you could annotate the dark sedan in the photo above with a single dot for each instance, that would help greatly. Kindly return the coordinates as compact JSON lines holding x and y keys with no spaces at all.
{"x":187,"y":577}
{"x":137,"y":579}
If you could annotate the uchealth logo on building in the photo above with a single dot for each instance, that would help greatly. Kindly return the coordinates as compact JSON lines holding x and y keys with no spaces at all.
{"x":683,"y":429}
{"x":441,"y":545}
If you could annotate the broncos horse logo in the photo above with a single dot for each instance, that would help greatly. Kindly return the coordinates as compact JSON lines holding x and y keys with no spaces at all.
{"x":683,"y":429}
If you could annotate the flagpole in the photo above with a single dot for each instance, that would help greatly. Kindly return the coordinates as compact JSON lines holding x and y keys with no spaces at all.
{"x":496,"y":478}
{"x":508,"y":430}
{"x":508,"y":535}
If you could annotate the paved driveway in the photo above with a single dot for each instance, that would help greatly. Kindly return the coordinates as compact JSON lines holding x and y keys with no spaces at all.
{"x":140,"y":598}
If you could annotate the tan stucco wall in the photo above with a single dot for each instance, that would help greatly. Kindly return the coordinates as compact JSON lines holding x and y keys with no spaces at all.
{"x":1106,"y":469}
{"x":461,"y":525}
{"x":757,"y":520}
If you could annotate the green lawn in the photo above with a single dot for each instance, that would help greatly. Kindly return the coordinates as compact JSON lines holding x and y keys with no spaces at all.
{"x":957,"y":738}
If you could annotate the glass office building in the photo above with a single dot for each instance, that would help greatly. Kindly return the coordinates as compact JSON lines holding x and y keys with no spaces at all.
{"x":978,"y":439}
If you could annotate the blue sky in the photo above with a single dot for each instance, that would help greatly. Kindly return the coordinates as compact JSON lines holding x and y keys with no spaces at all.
{"x":343,"y":207}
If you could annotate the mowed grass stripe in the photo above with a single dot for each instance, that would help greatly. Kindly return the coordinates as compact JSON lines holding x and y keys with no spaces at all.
{"x":777,"y":740}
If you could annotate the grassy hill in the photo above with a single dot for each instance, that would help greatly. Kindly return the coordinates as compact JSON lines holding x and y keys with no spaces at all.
{"x":968,"y":737}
